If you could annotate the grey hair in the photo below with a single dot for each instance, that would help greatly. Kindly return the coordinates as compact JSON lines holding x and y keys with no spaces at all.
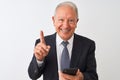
{"x":68,"y":3}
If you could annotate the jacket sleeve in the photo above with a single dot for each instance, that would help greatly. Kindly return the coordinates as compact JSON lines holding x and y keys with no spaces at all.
{"x":90,"y":72}
{"x":34,"y":71}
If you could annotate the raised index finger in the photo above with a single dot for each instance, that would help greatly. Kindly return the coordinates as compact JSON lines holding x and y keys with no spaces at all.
{"x":42,"y":40}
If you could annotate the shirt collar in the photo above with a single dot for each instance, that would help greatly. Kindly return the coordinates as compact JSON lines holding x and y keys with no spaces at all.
{"x":59,"y":39}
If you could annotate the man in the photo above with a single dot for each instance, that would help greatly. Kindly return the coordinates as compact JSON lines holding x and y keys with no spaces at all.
{"x":48,"y":50}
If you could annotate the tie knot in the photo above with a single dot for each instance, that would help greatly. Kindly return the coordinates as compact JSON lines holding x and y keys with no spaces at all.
{"x":65,"y":43}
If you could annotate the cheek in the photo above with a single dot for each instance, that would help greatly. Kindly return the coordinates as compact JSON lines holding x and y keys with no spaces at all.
{"x":73,"y":27}
{"x":57,"y":25}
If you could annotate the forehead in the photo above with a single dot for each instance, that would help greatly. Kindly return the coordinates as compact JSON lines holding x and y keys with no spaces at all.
{"x":65,"y":11}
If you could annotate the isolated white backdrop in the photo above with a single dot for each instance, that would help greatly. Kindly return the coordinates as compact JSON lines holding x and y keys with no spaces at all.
{"x":22,"y":20}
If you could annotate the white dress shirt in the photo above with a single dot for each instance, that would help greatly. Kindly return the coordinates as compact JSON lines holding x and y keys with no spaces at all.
{"x":59,"y":48}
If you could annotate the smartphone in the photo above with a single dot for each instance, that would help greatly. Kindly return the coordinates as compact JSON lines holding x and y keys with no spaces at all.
{"x":70,"y":71}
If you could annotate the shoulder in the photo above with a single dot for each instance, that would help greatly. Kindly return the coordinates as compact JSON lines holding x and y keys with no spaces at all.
{"x":48,"y":38}
{"x":83,"y":39}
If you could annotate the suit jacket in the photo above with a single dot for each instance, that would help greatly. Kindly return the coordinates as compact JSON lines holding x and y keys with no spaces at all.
{"x":83,"y":57}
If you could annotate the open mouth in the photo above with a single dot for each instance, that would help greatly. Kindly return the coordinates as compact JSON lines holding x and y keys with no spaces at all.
{"x":65,"y":30}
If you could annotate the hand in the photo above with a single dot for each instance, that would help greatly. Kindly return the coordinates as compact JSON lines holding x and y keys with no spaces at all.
{"x":78,"y":76}
{"x":41,"y":49}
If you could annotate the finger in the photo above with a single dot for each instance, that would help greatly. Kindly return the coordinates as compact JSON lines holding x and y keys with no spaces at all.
{"x":38,"y":55}
{"x":78,"y":72}
{"x":42,"y":50}
{"x":80,"y":75}
{"x":42,"y":37}
{"x":60,"y":75}
{"x":48,"y":48}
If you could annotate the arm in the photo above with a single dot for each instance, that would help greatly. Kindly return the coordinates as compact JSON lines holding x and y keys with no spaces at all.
{"x":40,"y":52}
{"x":34,"y":70}
{"x":90,"y":72}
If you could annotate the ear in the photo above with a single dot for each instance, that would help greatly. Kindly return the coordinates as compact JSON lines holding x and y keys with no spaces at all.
{"x":53,"y":19}
{"x":77,"y":20}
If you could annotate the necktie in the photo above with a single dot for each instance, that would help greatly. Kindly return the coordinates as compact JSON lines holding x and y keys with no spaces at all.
{"x":65,"y":61}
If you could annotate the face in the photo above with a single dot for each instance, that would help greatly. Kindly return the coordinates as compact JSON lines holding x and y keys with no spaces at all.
{"x":65,"y":22}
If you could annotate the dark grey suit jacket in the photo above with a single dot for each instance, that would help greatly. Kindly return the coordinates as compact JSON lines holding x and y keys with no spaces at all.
{"x":83,"y":57}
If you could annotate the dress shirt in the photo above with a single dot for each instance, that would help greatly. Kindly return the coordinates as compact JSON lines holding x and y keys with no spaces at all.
{"x":59,"y":48}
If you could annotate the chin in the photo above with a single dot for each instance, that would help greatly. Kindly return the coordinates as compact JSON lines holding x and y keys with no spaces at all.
{"x":65,"y":38}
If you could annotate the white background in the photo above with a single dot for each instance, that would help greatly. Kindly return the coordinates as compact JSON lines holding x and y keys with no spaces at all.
{"x":22,"y":20}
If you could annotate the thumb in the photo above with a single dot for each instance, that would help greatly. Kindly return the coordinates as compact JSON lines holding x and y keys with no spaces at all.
{"x":48,"y":47}
{"x":78,"y":72}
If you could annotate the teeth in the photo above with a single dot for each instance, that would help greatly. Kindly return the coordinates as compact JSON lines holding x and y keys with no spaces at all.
{"x":65,"y":30}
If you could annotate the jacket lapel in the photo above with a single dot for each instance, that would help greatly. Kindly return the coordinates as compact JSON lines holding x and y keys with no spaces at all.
{"x":76,"y":51}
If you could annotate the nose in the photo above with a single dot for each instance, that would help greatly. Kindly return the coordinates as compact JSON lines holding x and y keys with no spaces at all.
{"x":66,"y":24}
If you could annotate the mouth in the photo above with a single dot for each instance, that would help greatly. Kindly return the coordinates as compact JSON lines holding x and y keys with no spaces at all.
{"x":65,"y":30}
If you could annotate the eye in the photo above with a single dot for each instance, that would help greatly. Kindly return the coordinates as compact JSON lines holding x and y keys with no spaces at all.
{"x":60,"y":20}
{"x":71,"y":21}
